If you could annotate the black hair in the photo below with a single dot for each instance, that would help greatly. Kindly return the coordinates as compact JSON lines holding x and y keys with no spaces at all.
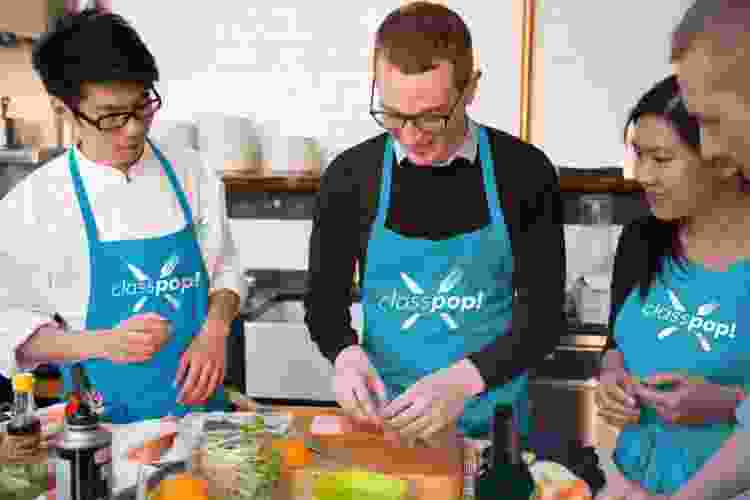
{"x":91,"y":46}
{"x":663,"y":237}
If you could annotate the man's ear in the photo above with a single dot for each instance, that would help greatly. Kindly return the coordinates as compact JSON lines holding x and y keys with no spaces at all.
{"x":58,"y":106}
{"x":728,"y":169}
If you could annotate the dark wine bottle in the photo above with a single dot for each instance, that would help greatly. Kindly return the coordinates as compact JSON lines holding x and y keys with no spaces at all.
{"x":507,"y":475}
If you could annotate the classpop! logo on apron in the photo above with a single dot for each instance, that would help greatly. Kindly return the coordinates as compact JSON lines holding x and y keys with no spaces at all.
{"x":698,"y":323}
{"x":420,"y":303}
{"x":165,"y":286}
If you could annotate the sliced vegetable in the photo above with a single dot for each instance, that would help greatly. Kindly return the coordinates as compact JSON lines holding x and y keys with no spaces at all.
{"x":293,"y":451}
{"x":359,"y":484}
{"x":152,"y":450}
{"x":579,"y":490}
{"x":182,"y":487}
{"x":553,"y":481}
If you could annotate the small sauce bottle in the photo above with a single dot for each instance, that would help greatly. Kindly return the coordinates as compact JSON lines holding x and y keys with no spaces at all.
{"x":24,"y":431}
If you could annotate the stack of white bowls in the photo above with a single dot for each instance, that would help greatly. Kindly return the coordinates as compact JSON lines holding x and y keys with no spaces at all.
{"x":175,"y":133}
{"x":228,"y":142}
{"x":285,"y":154}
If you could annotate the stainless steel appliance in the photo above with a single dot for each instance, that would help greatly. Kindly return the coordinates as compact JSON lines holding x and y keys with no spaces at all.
{"x":275,"y":359}
{"x":562,"y":390}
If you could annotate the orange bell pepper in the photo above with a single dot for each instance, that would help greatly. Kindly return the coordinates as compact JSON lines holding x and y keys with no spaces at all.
{"x":183,"y":487}
{"x":293,"y":451}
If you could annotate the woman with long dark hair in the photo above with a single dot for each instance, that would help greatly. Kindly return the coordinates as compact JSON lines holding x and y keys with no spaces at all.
{"x":677,"y":359}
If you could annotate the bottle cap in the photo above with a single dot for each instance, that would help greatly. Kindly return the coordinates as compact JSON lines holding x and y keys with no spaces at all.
{"x":23,"y":382}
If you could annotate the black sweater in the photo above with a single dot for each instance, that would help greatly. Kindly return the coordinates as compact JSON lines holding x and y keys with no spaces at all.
{"x":439,"y":203}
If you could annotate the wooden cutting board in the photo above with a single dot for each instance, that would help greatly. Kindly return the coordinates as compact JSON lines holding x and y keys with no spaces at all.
{"x":6,"y":456}
{"x":437,"y":474}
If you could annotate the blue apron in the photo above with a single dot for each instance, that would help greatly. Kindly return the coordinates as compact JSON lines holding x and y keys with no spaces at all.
{"x":428,"y":304}
{"x":690,"y":323}
{"x":163,"y":275}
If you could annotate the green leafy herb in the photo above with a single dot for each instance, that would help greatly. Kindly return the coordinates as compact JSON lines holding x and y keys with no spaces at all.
{"x":21,"y":482}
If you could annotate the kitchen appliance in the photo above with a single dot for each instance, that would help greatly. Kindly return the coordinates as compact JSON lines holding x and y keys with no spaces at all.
{"x":7,"y":125}
{"x":562,"y":390}
{"x":281,"y":361}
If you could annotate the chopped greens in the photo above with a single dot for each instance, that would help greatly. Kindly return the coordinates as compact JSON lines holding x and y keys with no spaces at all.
{"x":21,"y":482}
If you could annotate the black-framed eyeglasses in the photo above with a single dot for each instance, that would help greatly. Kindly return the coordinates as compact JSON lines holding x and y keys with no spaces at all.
{"x":114,"y":121}
{"x":427,"y":122}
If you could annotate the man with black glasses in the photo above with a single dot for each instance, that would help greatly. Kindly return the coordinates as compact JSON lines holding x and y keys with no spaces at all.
{"x":456,"y":229}
{"x":117,"y":256}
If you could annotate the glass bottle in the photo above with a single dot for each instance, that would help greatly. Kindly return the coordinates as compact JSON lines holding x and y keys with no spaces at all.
{"x":24,"y":431}
{"x":507,"y":476}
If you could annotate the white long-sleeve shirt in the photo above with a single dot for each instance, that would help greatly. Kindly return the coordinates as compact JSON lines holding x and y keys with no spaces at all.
{"x":44,"y":250}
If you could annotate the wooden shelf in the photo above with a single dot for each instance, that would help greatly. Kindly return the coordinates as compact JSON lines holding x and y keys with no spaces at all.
{"x":593,"y":184}
{"x":237,"y":181}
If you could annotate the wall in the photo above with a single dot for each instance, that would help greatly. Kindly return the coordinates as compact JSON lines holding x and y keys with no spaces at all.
{"x":311,"y":72}
{"x":308,"y":68}
{"x":593,"y":60}
{"x":29,"y":104}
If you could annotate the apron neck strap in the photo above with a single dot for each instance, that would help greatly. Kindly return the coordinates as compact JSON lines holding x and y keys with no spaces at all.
{"x":83,"y":200}
{"x":92,"y":230}
{"x":488,"y":175}
{"x":384,"y":201}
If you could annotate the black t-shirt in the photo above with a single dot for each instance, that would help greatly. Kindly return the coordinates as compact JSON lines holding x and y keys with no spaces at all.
{"x":439,"y":203}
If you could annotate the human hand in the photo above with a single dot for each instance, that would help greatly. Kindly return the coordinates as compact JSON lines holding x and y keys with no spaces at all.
{"x":136,"y":339}
{"x":615,"y":398}
{"x":354,"y":380}
{"x":203,"y":365}
{"x":433,"y":402}
{"x":688,"y":400}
